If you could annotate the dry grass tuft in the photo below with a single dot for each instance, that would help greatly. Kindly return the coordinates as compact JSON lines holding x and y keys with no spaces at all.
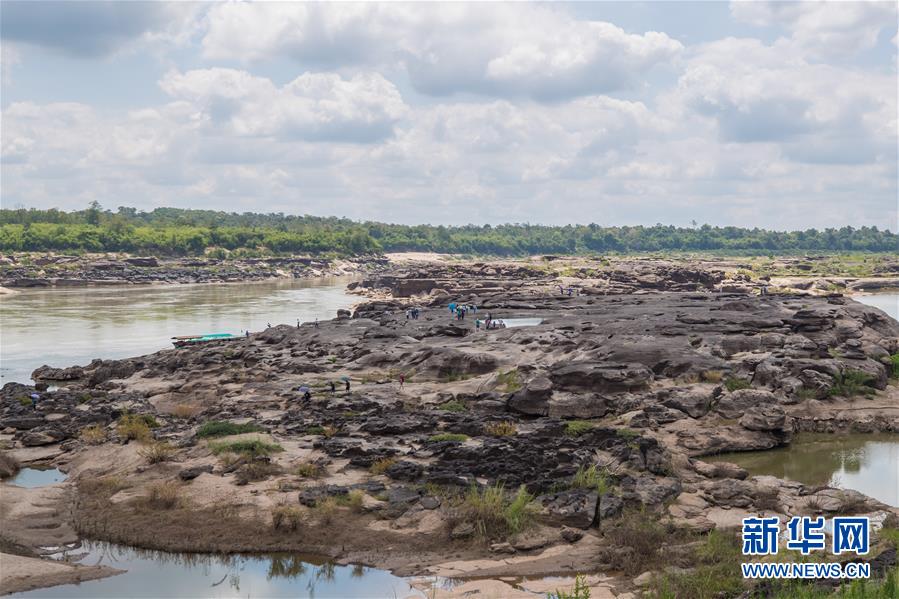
{"x":94,"y":434}
{"x":104,"y":486}
{"x":164,"y":495}
{"x":157,"y":452}
{"x":381,"y":466}
{"x":501,"y":429}
{"x":134,"y":427}
{"x":286,"y":517}
{"x":185,"y":411}
{"x":712,"y":376}
{"x":308,"y":470}
{"x":325,"y":509}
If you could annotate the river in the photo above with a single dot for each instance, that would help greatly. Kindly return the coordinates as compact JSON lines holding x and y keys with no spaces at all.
{"x":65,"y":327}
{"x":888,"y":302}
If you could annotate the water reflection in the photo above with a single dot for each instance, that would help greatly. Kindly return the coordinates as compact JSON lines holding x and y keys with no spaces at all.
{"x":32,"y":478}
{"x":866,"y":463}
{"x":73,"y":326}
{"x":163,"y":574}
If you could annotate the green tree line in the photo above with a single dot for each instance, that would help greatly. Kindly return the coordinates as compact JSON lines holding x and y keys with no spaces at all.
{"x":178,"y":232}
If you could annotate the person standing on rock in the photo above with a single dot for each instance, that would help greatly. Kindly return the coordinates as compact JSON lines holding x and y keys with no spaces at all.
{"x":477,"y":324}
{"x":333,"y":388}
{"x":402,"y":380}
{"x":348,"y":385}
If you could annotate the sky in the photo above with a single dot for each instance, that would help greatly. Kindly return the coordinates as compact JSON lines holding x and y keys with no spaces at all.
{"x":779,"y":115}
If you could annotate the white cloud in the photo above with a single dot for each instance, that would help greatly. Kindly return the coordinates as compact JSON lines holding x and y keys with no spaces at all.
{"x":823,"y":28}
{"x":312,"y":107}
{"x":815,"y":112}
{"x":490,"y":49}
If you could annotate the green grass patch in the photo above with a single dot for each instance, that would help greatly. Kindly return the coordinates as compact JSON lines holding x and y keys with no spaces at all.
{"x":592,"y":478}
{"x":495,"y":514}
{"x":221,"y":428}
{"x":580,"y":590}
{"x":894,"y":366}
{"x":851,"y":383}
{"x":735,"y":384}
{"x":626,"y":433}
{"x":454,"y":405}
{"x":510,"y":380}
{"x":252,"y":447}
{"x":716,"y":573}
{"x":576,"y":428}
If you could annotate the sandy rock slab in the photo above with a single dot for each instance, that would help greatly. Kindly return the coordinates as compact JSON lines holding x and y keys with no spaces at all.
{"x":18,"y":573}
{"x":600,"y":588}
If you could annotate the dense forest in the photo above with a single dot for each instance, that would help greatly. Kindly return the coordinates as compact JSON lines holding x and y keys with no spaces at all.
{"x":173,"y":231}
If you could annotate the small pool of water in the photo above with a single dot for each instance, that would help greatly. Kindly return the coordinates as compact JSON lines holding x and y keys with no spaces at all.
{"x":520,"y":322}
{"x":865,"y":463}
{"x":161,"y":574}
{"x":31,"y":478}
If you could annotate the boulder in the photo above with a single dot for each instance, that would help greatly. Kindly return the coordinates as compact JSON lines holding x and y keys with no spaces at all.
{"x":765,"y":417}
{"x":576,"y":406}
{"x":193,"y":472}
{"x":533,"y":399}
{"x":735,"y":404}
{"x":719,"y":469}
{"x":575,"y":508}
{"x":610,"y":505}
{"x":404,"y":470}
{"x":694,"y":402}
{"x":48,"y":373}
{"x":600,"y":376}
{"x":35,"y":439}
{"x":818,"y":383}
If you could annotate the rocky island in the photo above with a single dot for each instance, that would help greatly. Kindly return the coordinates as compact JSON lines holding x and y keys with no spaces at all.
{"x":576,"y":437}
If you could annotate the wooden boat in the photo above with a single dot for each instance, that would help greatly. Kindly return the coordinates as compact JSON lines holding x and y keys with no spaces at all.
{"x":182,"y":340}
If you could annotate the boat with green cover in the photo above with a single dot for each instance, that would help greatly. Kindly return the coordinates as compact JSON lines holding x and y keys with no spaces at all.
{"x":182,"y":340}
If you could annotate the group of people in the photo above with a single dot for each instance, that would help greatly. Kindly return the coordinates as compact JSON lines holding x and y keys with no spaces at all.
{"x":568,"y":291}
{"x":460,"y":310}
{"x":490,"y":323}
{"x":413,"y":313}
{"x":307,"y":393}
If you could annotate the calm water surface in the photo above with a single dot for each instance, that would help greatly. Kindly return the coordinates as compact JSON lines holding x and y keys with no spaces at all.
{"x":66,"y":327}
{"x":173,"y":575}
{"x":31,"y":478}
{"x":888,"y":302}
{"x":866,"y":463}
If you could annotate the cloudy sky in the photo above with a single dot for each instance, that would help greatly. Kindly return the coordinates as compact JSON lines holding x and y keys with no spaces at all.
{"x":778,"y":115}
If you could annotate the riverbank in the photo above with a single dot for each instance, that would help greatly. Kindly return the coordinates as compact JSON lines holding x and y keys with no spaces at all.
{"x":572,"y":446}
{"x":51,"y":271}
